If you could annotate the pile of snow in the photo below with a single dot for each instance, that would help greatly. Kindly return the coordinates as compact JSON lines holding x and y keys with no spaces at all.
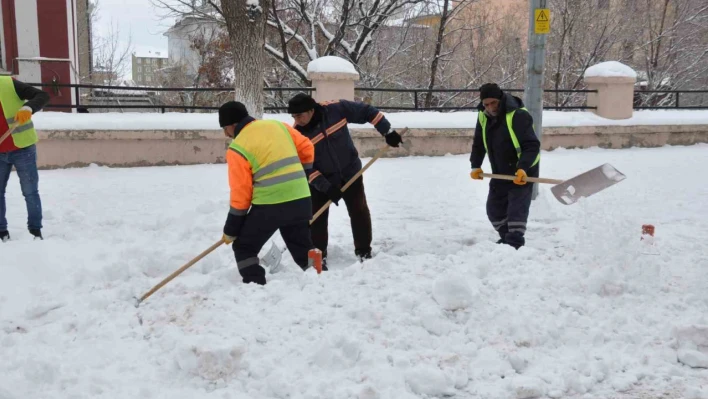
{"x":586,"y":309}
{"x":610,"y":69}
{"x":399,"y":120}
{"x":331,"y":64}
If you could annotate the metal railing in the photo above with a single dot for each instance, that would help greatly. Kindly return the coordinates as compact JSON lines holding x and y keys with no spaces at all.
{"x":161,"y":107}
{"x":417,"y":107}
{"x":670,"y":99}
{"x":416,"y":103}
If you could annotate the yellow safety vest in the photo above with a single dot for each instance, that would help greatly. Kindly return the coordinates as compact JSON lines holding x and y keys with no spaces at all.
{"x":278,"y":174}
{"x":509,"y":125}
{"x":24,"y":135}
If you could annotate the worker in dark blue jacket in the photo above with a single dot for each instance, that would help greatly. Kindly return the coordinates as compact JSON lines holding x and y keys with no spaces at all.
{"x":505,"y":133}
{"x":337,"y":161}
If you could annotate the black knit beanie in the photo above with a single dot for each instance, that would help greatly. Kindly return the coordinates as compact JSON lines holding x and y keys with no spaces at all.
{"x":490,"y":90}
{"x":301,"y":103}
{"x":231,"y":113}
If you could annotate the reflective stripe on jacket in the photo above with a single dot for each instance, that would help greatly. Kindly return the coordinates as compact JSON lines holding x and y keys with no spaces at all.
{"x":267,"y":162}
{"x":24,"y":135}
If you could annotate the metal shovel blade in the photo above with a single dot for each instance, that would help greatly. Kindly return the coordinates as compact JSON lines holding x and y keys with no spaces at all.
{"x":272,"y":258}
{"x":587,"y":184}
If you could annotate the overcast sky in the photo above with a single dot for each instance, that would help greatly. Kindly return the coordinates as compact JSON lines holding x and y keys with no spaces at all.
{"x":138,"y":19}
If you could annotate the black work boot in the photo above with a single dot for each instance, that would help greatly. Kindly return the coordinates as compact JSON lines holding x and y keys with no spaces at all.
{"x":4,"y":236}
{"x":36,"y":233}
{"x":363,"y":255}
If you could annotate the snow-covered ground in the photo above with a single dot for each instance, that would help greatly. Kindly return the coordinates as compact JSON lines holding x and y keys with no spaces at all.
{"x":584,"y":310}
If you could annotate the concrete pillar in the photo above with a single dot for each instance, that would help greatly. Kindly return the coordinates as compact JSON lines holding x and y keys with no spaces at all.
{"x":614,"y":83}
{"x":333,"y":78}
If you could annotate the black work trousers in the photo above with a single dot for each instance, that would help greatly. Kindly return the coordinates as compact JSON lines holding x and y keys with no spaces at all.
{"x":291,"y":218}
{"x":508,"y":210}
{"x":360,"y":218}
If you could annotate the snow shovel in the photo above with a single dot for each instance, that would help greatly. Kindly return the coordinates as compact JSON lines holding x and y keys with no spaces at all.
{"x":382,"y":150}
{"x":271,"y":258}
{"x":178,"y":272}
{"x":356,"y":176}
{"x":583,"y":185}
{"x":9,"y":132}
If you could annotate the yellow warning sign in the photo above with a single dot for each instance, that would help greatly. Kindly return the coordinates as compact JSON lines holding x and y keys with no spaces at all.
{"x":542,"y":21}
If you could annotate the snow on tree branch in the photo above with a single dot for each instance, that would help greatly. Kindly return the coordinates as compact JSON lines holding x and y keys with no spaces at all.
{"x":253,"y":10}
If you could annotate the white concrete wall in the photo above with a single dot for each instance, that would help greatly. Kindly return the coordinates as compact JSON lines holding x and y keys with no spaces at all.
{"x":28,"y":39}
{"x":124,"y":148}
{"x":73,"y":40}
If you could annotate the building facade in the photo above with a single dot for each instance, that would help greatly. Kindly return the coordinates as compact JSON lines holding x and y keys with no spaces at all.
{"x":147,"y":66}
{"x":39,"y":44}
{"x":182,"y":35}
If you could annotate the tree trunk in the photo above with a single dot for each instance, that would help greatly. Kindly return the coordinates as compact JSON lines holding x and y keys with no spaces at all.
{"x":246,"y":26}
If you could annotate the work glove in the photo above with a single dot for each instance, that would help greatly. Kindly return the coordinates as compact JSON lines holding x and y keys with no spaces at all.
{"x":232,"y":227}
{"x":477,"y":174}
{"x":334,"y":192}
{"x":23,"y":115}
{"x":393,"y":139}
{"x":520,"y":177}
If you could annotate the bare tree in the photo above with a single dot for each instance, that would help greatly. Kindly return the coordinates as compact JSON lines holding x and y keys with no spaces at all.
{"x":111,"y":58}
{"x":669,"y":47}
{"x":303,"y":30}
{"x":448,"y":13}
{"x":584,"y":35}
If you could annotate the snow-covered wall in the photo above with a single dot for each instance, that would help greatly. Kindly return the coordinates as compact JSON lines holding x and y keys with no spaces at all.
{"x":178,"y":139}
{"x":413,"y":120}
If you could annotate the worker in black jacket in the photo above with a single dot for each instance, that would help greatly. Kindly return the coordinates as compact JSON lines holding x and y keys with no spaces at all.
{"x":337,"y":161}
{"x":505,"y":132}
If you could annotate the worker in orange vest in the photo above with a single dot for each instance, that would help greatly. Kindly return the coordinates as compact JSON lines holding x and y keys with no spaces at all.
{"x":267,"y":160}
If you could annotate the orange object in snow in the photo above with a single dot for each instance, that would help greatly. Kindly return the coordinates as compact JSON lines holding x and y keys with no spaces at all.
{"x":647,"y":229}
{"x":315,"y":259}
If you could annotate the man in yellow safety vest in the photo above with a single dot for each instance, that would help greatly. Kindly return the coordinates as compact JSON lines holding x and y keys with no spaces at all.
{"x":267,"y":160}
{"x":505,"y":132}
{"x":19,"y":101}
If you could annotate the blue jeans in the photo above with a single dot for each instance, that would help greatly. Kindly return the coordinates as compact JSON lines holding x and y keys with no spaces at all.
{"x":25,"y":162}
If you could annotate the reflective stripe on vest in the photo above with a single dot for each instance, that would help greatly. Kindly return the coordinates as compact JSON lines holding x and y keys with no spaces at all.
{"x":24,"y":135}
{"x":278,"y":175}
{"x":509,"y":118}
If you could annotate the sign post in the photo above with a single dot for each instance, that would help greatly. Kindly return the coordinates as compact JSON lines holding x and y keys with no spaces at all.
{"x":539,"y":27}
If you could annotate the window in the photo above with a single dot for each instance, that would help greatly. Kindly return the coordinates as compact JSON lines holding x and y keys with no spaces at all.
{"x":140,"y":69}
{"x":148,"y":78}
{"x":140,"y":77}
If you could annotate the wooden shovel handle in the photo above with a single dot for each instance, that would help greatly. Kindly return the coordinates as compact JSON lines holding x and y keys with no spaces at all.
{"x":529,"y":179}
{"x":9,"y":132}
{"x":356,"y":176}
{"x":179,"y":271}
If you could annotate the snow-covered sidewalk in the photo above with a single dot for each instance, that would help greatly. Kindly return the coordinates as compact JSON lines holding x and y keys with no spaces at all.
{"x":584,"y":310}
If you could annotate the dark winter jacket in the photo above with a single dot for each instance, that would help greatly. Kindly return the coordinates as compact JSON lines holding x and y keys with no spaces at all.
{"x":501,"y":151}
{"x":336,"y":157}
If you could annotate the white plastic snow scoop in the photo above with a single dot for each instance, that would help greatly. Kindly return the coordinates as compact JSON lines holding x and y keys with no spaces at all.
{"x":272,"y":258}
{"x":583,"y":185}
